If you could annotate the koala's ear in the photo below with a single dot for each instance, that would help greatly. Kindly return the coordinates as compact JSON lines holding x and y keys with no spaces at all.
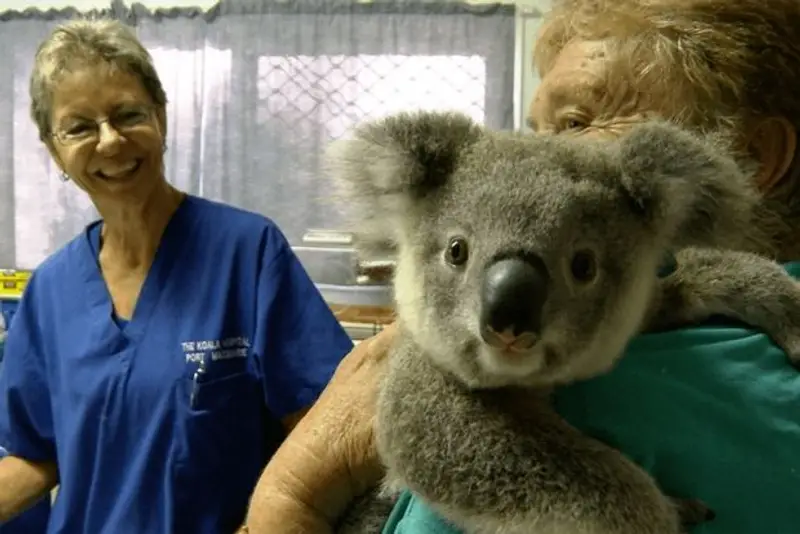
{"x":689,"y":185}
{"x":388,"y":164}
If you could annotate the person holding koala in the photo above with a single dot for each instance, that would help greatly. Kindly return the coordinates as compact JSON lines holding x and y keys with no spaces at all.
{"x":715,"y":406}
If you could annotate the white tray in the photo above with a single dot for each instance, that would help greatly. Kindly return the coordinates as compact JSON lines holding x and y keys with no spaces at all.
{"x":378,"y":295}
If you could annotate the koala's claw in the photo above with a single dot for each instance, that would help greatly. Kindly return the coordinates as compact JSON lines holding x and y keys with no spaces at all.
{"x":693,"y":512}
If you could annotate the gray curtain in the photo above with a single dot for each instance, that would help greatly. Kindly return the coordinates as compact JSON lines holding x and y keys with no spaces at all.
{"x":256,"y":90}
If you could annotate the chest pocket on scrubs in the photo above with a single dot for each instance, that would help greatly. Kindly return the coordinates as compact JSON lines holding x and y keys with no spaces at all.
{"x":220,"y":374}
{"x":221,"y":442}
{"x":224,"y":415}
{"x":209,"y":390}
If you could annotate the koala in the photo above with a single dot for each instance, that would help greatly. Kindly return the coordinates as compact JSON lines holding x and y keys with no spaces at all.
{"x":525,"y":262}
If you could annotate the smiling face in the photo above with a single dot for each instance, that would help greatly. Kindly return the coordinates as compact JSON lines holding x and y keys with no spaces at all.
{"x":108,"y":135}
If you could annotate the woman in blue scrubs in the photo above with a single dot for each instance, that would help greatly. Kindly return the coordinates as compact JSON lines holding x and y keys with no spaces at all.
{"x":712,"y":411}
{"x":158,"y":359}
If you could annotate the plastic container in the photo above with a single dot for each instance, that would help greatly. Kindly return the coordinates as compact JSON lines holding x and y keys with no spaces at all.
{"x":353,"y":295}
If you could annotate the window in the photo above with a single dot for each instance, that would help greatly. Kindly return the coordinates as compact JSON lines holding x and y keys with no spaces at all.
{"x":304,"y":102}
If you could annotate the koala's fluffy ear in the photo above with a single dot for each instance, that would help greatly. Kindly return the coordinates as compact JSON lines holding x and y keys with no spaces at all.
{"x":388,"y":164}
{"x":687,"y":184}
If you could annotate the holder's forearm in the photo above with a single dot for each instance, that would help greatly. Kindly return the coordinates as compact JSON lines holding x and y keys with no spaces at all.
{"x":22,"y":484}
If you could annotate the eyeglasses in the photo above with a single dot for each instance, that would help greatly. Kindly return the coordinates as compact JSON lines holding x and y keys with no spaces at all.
{"x":79,"y":130}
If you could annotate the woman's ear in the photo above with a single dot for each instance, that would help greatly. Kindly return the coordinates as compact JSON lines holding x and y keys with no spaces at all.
{"x":773,"y":141}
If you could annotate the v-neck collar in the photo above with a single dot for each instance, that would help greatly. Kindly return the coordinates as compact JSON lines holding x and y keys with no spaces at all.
{"x":98,"y":298}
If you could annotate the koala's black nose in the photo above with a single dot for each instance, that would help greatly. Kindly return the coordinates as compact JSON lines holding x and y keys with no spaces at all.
{"x":514,"y":293}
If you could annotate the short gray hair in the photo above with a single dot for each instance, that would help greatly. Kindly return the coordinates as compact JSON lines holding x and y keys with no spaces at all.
{"x":79,"y":43}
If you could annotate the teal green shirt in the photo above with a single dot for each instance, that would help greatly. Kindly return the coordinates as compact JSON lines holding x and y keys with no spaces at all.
{"x":712,"y":412}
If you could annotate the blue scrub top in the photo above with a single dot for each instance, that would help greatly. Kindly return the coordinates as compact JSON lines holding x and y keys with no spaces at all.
{"x":712,"y":412}
{"x":164,"y":423}
{"x":34,"y":520}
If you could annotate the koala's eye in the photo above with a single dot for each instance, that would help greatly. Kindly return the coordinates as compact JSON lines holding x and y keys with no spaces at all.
{"x":583,"y":266}
{"x":457,"y":253}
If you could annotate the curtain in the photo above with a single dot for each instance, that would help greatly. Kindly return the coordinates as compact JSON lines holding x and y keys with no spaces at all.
{"x":256,"y":90}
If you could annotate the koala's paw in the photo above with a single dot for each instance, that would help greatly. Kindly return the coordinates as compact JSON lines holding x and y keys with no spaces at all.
{"x":792,"y":347}
{"x":692,"y":512}
{"x":787,"y":337}
{"x":789,"y":341}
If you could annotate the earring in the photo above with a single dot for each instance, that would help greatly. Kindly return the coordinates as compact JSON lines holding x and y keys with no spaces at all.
{"x":64,"y":177}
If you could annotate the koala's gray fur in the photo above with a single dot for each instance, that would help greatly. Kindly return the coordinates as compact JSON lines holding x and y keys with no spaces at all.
{"x":468,"y":426}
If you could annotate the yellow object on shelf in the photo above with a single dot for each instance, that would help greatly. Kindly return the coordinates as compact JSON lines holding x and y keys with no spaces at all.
{"x":12,"y":283}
